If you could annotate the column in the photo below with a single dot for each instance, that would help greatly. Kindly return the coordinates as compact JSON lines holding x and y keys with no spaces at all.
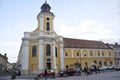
{"x":54,"y":57}
{"x":41,"y":55}
{"x":61,"y":57}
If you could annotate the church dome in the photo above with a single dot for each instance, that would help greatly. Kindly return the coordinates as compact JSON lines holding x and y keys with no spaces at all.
{"x":45,"y":7}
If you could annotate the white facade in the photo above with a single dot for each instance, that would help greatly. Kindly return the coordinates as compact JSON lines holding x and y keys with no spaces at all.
{"x":45,"y":34}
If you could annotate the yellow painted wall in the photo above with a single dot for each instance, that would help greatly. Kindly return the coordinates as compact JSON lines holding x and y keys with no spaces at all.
{"x":33,"y":61}
{"x":88,"y":58}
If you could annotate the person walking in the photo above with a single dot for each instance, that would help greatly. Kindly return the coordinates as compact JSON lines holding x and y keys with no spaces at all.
{"x":95,"y":69}
{"x":45,"y":74}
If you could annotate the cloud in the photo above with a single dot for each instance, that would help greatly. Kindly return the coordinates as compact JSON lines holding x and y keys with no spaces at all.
{"x":88,"y":29}
{"x":11,"y":40}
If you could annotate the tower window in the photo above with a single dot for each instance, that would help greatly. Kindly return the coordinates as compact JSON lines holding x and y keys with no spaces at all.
{"x":48,"y":51}
{"x":48,"y":19}
{"x":56,"y":51}
{"x":48,"y":26}
{"x":34,"y":50}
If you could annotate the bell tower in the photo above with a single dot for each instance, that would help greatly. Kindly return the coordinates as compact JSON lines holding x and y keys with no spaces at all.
{"x":47,"y":59}
{"x":46,"y":20}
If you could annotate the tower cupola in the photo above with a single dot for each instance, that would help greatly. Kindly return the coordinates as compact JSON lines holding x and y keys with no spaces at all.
{"x":45,"y":7}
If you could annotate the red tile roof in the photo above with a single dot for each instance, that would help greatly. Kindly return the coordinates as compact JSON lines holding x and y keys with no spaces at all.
{"x":79,"y":43}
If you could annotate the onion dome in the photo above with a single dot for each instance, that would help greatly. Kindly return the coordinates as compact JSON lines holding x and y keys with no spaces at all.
{"x":45,"y":7}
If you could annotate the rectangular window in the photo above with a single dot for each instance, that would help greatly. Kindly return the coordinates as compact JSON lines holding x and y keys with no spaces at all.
{"x":98,"y":53}
{"x":110,"y":54}
{"x":119,"y":53}
{"x":91,"y":54}
{"x":77,"y":53}
{"x":102,"y":53}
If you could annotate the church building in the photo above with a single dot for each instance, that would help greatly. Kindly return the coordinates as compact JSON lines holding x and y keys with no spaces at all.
{"x":44,"y":49}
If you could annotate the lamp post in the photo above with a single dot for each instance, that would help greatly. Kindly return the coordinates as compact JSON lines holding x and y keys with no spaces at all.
{"x":80,"y":59}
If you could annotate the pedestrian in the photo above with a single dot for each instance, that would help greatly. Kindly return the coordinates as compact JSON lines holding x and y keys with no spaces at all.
{"x":45,"y":74}
{"x":19,"y":73}
{"x":98,"y":69}
{"x":95,"y":69}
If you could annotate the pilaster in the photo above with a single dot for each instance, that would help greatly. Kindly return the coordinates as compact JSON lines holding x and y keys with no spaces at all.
{"x":41,"y":55}
{"x":54,"y":58}
{"x":60,"y":41}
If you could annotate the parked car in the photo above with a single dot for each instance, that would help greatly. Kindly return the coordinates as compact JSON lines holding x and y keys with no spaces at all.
{"x":49,"y":73}
{"x":117,"y":68}
{"x":69,"y":71}
{"x":112,"y":67}
{"x":103,"y":68}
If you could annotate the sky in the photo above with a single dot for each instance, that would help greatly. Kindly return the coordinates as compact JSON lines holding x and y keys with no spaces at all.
{"x":81,"y":19}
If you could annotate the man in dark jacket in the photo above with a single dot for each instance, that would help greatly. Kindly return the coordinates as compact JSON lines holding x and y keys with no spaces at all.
{"x":45,"y":74}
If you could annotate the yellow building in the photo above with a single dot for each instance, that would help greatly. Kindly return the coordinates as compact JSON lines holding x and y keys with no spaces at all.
{"x":77,"y":51}
{"x":44,"y":49}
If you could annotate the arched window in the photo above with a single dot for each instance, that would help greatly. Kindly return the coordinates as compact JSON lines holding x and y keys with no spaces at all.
{"x":86,"y":63}
{"x":67,"y":66}
{"x":48,"y":26}
{"x":48,"y":50}
{"x":111,"y":63}
{"x":34,"y":50}
{"x":66,"y":54}
{"x":105,"y":63}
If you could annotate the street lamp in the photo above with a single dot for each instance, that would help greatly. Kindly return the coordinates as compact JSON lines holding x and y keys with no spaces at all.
{"x":80,"y":59}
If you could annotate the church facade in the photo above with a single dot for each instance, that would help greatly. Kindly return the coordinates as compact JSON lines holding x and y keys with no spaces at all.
{"x":44,"y":49}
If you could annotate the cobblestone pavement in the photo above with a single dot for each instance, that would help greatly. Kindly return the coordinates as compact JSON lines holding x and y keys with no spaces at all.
{"x":115,"y":75}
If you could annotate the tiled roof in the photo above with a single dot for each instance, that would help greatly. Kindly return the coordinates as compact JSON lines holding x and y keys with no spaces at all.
{"x":79,"y":43}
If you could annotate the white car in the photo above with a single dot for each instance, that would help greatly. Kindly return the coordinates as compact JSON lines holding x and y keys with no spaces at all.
{"x":117,"y":68}
{"x":111,"y":67}
{"x":103,"y":68}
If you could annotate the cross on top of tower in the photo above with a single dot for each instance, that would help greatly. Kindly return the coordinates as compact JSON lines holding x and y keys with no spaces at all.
{"x":45,"y":1}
